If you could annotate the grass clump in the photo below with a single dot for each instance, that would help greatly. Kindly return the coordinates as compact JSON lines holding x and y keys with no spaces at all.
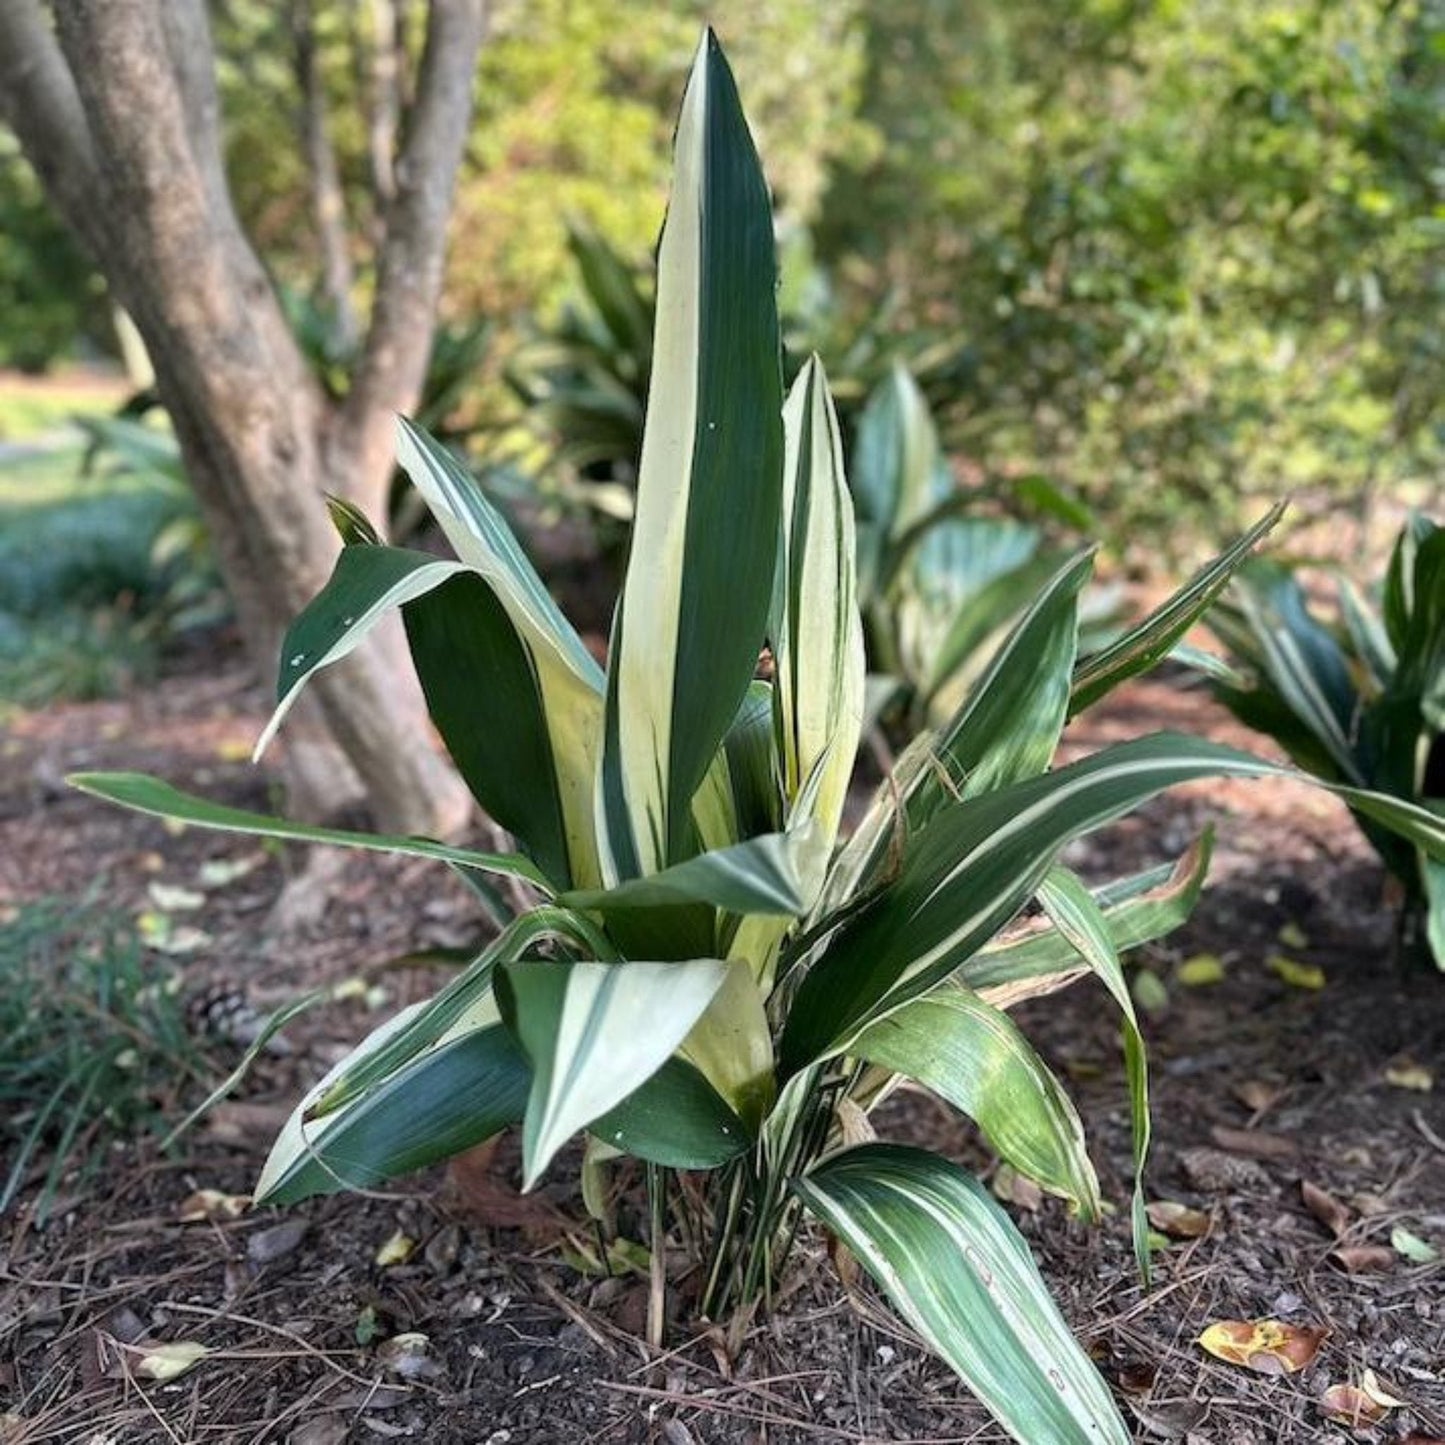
{"x":93,"y":1043}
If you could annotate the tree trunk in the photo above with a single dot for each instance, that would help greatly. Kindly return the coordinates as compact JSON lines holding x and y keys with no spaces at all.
{"x":122,"y":124}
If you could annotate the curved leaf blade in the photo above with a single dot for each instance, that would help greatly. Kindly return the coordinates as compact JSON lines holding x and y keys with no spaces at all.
{"x":959,"y":1272}
{"x":152,"y":795}
{"x":976,"y":1057}
{"x":676,"y":1119}
{"x":470,"y":1085}
{"x":580,"y":1025}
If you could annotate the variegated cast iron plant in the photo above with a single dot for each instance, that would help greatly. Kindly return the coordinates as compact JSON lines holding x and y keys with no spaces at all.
{"x":707,"y":981}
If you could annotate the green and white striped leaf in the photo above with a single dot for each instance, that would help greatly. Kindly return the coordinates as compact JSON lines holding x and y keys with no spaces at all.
{"x":428,"y":1022}
{"x":152,"y":795}
{"x":775,"y":874}
{"x":975,"y":1057}
{"x":973,"y":867}
{"x":817,"y":634}
{"x":1137,"y":910}
{"x":567,"y":677}
{"x":699,"y":581}
{"x":1147,"y":644}
{"x":460,"y":634}
{"x":676,"y":1119}
{"x":368,"y":583}
{"x":595,"y":1033}
{"x":470,"y":1084}
{"x":1080,"y":919}
{"x":958,"y":1271}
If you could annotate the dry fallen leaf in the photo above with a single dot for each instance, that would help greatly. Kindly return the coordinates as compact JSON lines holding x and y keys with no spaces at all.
{"x":1415,"y":1249}
{"x":1255,"y":1142}
{"x":1015,"y":1188}
{"x":1325,"y":1207}
{"x":169,"y":1362}
{"x":1295,"y":973}
{"x":407,"y":1355}
{"x":1256,"y":1095}
{"x":211,"y":1206}
{"x":1267,"y":1347}
{"x":1201,"y":970}
{"x":1407,"y":1074}
{"x":1363,"y":1258}
{"x":397,"y":1250}
{"x":1359,"y":1405}
{"x":1178,"y":1220}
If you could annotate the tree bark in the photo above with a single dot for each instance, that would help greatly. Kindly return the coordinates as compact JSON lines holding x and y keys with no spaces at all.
{"x":338,"y":279}
{"x":121,"y":122}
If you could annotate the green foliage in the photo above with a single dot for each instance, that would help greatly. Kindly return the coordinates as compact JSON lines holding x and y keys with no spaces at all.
{"x":98,"y":570}
{"x":1361,"y":701}
{"x":92,"y":1043}
{"x":1192,"y":248}
{"x":50,"y":300}
{"x":707,"y":981}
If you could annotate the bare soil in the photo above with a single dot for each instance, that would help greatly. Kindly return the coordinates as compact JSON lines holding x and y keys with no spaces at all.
{"x":1258,"y":1087}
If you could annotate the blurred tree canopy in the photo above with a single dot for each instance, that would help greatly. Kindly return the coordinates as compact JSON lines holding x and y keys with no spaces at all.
{"x":1190,"y":254}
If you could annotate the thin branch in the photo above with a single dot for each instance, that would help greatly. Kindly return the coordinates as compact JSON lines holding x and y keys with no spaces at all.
{"x":38,"y":101}
{"x":409,"y":268}
{"x":328,"y":199}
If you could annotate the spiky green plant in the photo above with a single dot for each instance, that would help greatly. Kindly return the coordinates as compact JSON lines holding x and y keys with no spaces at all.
{"x":707,"y":981}
{"x":1361,"y":702}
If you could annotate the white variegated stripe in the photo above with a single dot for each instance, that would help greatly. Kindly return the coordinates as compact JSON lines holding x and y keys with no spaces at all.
{"x":618,"y":1025}
{"x":646,"y":660}
{"x":299,"y":669}
{"x":1077,"y":915}
{"x":482,"y":539}
{"x":920,"y":1241}
{"x":1097,"y":674}
{"x":568,"y":678}
{"x":1300,"y":687}
{"x":820,"y":663}
{"x":301,"y":1134}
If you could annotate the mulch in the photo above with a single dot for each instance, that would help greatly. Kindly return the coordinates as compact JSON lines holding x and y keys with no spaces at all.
{"x":487,"y":1332}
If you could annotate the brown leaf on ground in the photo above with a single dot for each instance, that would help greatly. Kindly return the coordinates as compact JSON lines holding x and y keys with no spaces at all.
{"x":1325,"y":1207}
{"x":472,"y":1186}
{"x":1017,"y":1189}
{"x":1254,"y":1142}
{"x":210,"y":1206}
{"x":1256,"y":1095}
{"x":1178,"y":1221}
{"x":1215,"y":1172}
{"x":1359,"y":1405}
{"x":1364,"y":1258}
{"x":1268,"y":1347}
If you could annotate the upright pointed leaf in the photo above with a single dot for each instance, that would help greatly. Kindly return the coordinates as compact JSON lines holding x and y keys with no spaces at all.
{"x":567,"y":677}
{"x":699,"y":579}
{"x":818,"y":646}
{"x":594,"y":1033}
{"x":959,"y":1272}
{"x":1151,"y":640}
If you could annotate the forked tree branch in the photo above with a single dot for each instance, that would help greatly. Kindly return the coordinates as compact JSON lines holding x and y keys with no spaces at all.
{"x":409,"y":268}
{"x":38,"y":101}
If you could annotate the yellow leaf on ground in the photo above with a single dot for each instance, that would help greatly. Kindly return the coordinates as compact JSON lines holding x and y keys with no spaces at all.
{"x":1294,"y":973}
{"x":1267,"y":1347}
{"x":1199,"y":971}
{"x":168,"y":1362}
{"x":397,"y":1250}
{"x":211,"y":1206}
{"x":1407,"y":1074}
